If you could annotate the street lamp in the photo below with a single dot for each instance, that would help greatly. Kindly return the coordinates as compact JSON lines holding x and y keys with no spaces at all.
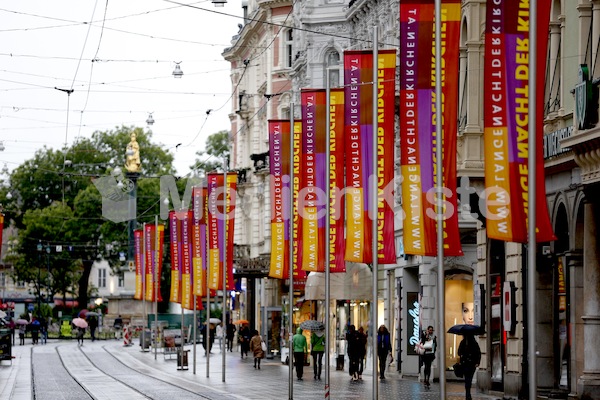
{"x":39,"y":280}
{"x":177,"y":72}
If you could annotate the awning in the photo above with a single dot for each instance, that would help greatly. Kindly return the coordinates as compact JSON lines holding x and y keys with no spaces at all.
{"x":355,"y":283}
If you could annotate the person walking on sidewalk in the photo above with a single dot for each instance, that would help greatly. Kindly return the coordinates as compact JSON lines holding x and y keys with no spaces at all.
{"x":362,"y":351}
{"x":317,"y":348}
{"x":353,"y":344}
{"x":256,"y":348}
{"x":384,"y":347}
{"x":244,"y":339}
{"x":470,"y":356}
{"x":22,"y":329}
{"x":230,"y":334}
{"x":300,"y":348}
{"x":118,"y":326}
{"x":429,"y":340}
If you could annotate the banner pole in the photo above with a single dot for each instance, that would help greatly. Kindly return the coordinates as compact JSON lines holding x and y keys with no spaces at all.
{"x":156,"y":264}
{"x":440,"y":200}
{"x":373,"y":213}
{"x":291,"y":263}
{"x":327,"y":232}
{"x":195,"y":330}
{"x":144,"y":283}
{"x":225,"y":218}
{"x":532,"y":179}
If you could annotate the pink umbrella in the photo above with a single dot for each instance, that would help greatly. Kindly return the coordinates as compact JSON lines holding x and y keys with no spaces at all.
{"x":80,"y":322}
{"x":21,"y":321}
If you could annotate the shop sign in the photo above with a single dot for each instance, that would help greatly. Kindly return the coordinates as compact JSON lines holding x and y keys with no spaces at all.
{"x":412,"y":322}
{"x":584,"y":100}
{"x":552,"y":142}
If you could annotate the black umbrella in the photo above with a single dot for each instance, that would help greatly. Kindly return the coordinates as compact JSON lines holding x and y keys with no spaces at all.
{"x":465,"y":329}
{"x":312,"y":325}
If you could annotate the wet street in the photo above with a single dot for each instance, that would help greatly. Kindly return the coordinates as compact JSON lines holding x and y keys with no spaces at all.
{"x":106,"y":370}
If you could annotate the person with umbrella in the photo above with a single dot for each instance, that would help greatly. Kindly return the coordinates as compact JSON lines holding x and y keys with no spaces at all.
{"x":244,"y":339}
{"x":22,"y":328}
{"x":470,"y":356}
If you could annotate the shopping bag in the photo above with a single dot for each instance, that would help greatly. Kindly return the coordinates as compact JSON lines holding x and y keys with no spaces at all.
{"x":419,"y":349}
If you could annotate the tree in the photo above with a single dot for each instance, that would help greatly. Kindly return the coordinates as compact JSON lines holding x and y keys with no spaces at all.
{"x":217,"y":151}
{"x":56,"y":204}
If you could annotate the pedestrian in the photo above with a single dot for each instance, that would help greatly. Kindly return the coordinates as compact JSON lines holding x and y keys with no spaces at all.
{"x":12,"y":326}
{"x":353,"y":346}
{"x":93,"y":324}
{"x":470,"y":356}
{"x":22,"y":329}
{"x":317,"y":349}
{"x":80,"y":333}
{"x":256,"y":348}
{"x":118,"y":325}
{"x":300,"y":348}
{"x":384,"y":347}
{"x":429,"y":341}
{"x":219,"y":335}
{"x":244,"y":339}
{"x":35,"y":330}
{"x":362,"y":351}
{"x":230,"y":331}
{"x":44,"y":329}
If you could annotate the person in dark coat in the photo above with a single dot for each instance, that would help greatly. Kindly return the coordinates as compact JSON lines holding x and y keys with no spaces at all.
{"x":93,"y":324}
{"x":353,"y":345}
{"x":470,"y":356}
{"x":244,"y":339}
{"x":384,"y":347}
{"x":230,"y":333}
{"x":429,"y":355}
{"x":362,"y":351}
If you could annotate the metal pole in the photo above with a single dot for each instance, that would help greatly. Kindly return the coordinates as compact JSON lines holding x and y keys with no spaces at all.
{"x":441,"y":306}
{"x":291,"y":263}
{"x":328,"y":232}
{"x":195,"y":330}
{"x":144,"y":285}
{"x":206,"y":325}
{"x":156,"y":277}
{"x":373,"y":213}
{"x":225,"y":218}
{"x":531,"y":164}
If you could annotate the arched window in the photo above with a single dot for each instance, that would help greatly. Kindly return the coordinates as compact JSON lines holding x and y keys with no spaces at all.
{"x":332,"y":68}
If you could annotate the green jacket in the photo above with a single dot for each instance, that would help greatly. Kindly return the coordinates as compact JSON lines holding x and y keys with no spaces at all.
{"x":317,"y":343}
{"x":299,"y":342}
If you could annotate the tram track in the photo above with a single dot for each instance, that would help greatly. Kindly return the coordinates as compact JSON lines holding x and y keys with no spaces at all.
{"x":80,"y":373}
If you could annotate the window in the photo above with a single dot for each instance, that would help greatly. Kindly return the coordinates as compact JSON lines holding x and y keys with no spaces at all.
{"x":289,"y":52}
{"x":332,"y":67}
{"x":102,"y":278}
{"x":121,"y":280}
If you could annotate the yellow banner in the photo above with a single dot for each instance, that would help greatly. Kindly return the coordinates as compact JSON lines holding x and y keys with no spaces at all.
{"x":213,"y":269}
{"x":355,"y":241}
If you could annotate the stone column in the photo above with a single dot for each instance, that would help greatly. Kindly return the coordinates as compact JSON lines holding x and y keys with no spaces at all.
{"x":589,"y":382}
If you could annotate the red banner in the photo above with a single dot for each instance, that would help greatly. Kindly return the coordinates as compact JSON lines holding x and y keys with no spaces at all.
{"x":175,"y":233}
{"x":221,"y":209}
{"x":153,"y":260}
{"x":311,"y":196}
{"x":358,"y":78}
{"x":186,"y":260}
{"x":138,"y":240}
{"x":506,"y":121}
{"x":299,"y":273}
{"x":279,"y":165}
{"x":337,"y":242}
{"x":418,"y":125}
{"x":199,"y":206}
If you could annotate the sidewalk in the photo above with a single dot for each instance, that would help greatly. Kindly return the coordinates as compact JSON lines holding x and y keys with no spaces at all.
{"x":242,"y":381}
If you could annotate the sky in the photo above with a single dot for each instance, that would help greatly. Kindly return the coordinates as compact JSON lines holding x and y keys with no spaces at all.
{"x":117,"y":57}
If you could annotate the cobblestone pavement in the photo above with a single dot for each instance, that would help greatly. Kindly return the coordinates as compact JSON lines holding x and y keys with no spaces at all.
{"x":109,"y":370}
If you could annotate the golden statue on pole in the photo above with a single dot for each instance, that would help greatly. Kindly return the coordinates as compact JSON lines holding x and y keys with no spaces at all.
{"x":133,"y":162}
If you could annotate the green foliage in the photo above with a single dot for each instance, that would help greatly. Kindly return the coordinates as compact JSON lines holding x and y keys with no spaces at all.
{"x":217,"y":151}
{"x":55,"y":203}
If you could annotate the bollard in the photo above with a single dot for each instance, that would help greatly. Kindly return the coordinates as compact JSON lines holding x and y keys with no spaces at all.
{"x":126,"y":336}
